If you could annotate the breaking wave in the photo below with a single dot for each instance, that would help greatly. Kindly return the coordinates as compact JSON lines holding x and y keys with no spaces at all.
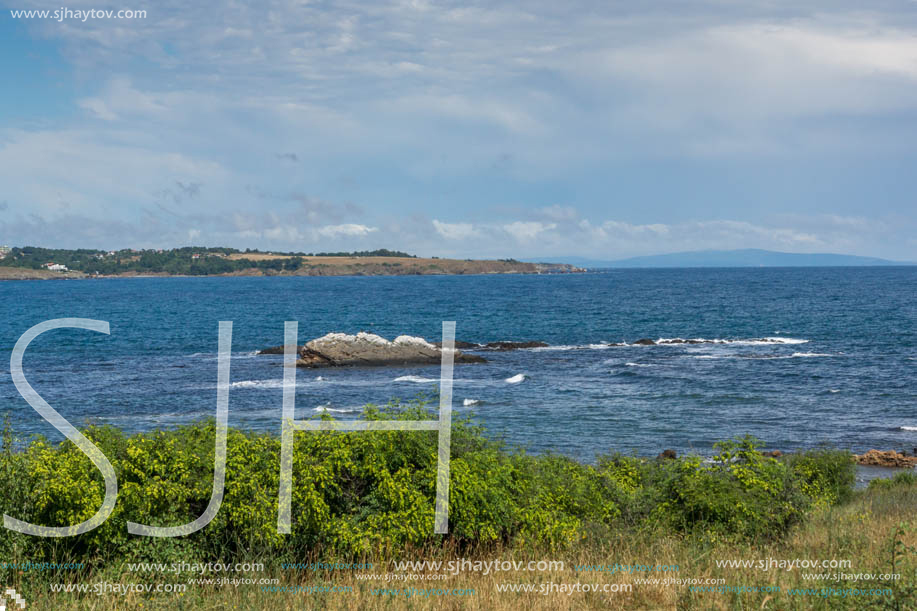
{"x":327,"y":408}
{"x":416,"y":379}
{"x":258,"y":384}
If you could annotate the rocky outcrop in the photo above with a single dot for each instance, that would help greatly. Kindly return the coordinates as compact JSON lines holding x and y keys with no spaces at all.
{"x":667,"y":455}
{"x":370,"y":350}
{"x":890,"y":458}
{"x":460,"y":345}
{"x":272,"y":350}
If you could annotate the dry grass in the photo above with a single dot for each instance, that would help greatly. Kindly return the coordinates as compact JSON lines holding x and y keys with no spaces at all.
{"x":22,"y":273}
{"x":862,"y":531}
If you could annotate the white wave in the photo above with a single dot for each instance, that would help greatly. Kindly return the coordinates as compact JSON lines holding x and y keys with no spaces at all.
{"x":258,"y":384}
{"x":415,"y":379}
{"x":565,"y":347}
{"x":808,"y":354}
{"x":516,"y":379}
{"x":908,"y":428}
{"x":639,"y":365}
{"x":327,"y":408}
{"x":706,"y":356}
{"x":554,"y":348}
{"x":319,"y":379}
{"x":834,"y":390}
{"x":470,"y":402}
{"x":762,"y":341}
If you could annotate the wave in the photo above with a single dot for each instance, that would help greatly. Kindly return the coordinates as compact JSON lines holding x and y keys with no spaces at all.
{"x":258,"y":384}
{"x":516,"y":379}
{"x":834,"y":390}
{"x":761,"y":341}
{"x":639,"y":365}
{"x":327,"y":408}
{"x":762,"y":357}
{"x":212,"y":356}
{"x":674,"y":341}
{"x":416,"y":379}
{"x":565,"y":347}
{"x":470,"y":402}
{"x":908,"y":428}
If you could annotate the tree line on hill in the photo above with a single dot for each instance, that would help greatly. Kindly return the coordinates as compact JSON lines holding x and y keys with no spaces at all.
{"x":190,"y":260}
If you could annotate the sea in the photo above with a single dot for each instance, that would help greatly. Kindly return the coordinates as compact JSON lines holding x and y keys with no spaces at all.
{"x":798,"y":357}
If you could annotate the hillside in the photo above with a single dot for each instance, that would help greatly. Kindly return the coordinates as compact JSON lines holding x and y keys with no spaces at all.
{"x":750,"y":257}
{"x":30,"y":263}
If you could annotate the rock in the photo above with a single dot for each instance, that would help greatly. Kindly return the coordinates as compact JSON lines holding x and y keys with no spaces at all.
{"x":667,"y":455}
{"x":878,"y":458}
{"x":370,"y":350}
{"x":774,"y":454}
{"x":460,"y":345}
{"x":272,"y":350}
{"x":644,"y":342}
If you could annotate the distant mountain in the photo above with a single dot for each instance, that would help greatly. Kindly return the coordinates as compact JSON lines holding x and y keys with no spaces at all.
{"x":749,"y":257}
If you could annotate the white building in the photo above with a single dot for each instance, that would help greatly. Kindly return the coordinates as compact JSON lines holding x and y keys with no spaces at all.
{"x":55,"y":267}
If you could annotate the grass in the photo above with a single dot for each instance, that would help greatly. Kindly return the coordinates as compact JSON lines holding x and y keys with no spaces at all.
{"x":367,"y":497}
{"x":864,"y":531}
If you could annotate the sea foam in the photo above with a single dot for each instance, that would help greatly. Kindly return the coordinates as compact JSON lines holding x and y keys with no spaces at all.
{"x":415,"y":379}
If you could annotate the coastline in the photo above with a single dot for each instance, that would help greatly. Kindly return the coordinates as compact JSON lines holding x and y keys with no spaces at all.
{"x":330,"y":266}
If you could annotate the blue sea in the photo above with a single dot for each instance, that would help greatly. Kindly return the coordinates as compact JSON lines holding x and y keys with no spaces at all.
{"x":796,"y":356}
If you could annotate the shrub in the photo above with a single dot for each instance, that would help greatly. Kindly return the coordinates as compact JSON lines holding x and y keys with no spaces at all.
{"x":361,"y":493}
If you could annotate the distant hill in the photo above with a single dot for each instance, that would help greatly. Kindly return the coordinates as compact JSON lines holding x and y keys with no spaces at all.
{"x":749,"y":257}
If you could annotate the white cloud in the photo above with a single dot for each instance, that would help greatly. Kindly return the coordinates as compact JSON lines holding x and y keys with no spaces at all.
{"x":347,"y":229}
{"x":454,"y":231}
{"x":525,"y":231}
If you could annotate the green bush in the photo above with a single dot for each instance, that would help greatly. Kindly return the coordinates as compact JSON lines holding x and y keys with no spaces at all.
{"x":826,"y":476}
{"x":361,"y":493}
{"x":901,"y":479}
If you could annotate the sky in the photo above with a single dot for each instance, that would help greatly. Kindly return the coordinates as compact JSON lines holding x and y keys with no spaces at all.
{"x":519,"y":129}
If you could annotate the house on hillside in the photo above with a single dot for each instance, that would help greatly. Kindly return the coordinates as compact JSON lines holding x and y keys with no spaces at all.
{"x":55,"y":267}
{"x":5,"y":251}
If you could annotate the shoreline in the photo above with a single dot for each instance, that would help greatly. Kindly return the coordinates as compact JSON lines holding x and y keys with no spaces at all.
{"x":18,"y":273}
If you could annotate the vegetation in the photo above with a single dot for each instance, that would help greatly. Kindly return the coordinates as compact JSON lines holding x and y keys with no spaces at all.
{"x":188,"y":261}
{"x":360,"y":496}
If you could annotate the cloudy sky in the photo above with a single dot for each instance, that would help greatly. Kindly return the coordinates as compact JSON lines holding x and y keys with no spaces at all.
{"x":526,"y":129}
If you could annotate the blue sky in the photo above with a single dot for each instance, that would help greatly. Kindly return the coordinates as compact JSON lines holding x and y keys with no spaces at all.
{"x":532,"y":129}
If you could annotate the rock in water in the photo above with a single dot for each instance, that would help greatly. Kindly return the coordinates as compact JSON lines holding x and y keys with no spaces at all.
{"x":371,"y":350}
{"x":878,"y":458}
